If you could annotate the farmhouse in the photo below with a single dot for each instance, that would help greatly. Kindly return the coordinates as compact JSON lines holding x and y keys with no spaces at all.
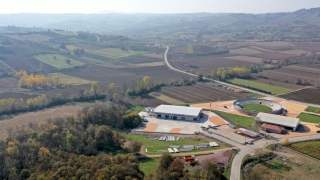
{"x":284,"y":121}
{"x":178,"y":112}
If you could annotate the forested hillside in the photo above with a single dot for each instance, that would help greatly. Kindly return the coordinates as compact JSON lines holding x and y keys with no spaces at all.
{"x":75,"y":147}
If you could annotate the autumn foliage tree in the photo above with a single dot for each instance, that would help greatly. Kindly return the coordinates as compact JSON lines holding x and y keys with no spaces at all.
{"x":32,"y":81}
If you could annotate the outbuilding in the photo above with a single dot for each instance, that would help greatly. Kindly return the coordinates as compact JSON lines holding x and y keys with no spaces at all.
{"x":270,"y":128}
{"x":249,"y":133}
{"x":283,"y":121}
{"x":178,"y":112}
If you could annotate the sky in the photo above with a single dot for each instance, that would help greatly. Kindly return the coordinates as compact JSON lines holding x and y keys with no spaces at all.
{"x":154,"y":6}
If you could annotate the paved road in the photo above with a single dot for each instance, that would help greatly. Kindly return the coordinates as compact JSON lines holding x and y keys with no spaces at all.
{"x":236,"y":164}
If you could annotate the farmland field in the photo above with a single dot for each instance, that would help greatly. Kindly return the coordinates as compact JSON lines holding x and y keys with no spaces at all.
{"x":309,"y":95}
{"x":66,"y":79}
{"x":265,"y":87}
{"x":246,"y":59}
{"x":278,"y":83}
{"x":190,"y":49}
{"x":244,"y":51}
{"x":31,"y":37}
{"x":29,"y":64}
{"x":115,"y":53}
{"x":36,"y":117}
{"x":141,"y":59}
{"x":311,"y":148}
{"x":200,"y":93}
{"x":305,"y":117}
{"x":60,"y":61}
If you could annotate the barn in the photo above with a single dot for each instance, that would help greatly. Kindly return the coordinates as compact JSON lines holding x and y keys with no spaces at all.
{"x":270,"y":128}
{"x":288,"y":122}
{"x":178,"y":112}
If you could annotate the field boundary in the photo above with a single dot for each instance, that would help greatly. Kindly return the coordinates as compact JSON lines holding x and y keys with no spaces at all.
{"x":301,"y":152}
{"x":8,"y":66}
{"x":294,"y":91}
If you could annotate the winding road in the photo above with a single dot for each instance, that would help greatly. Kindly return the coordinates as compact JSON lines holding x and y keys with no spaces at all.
{"x":245,"y":149}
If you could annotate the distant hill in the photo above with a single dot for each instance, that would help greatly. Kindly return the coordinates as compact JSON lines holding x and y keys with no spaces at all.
{"x":304,"y":23}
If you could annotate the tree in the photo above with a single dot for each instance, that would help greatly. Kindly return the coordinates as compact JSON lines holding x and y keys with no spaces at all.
{"x":298,"y":81}
{"x":177,"y":167}
{"x":165,"y":160}
{"x":286,"y":142}
{"x":135,"y":146}
{"x":305,"y":82}
{"x":213,"y":74}
{"x":63,"y":45}
{"x":94,"y":87}
{"x":211,"y":170}
{"x":56,"y":80}
{"x":200,"y":77}
{"x":68,"y":61}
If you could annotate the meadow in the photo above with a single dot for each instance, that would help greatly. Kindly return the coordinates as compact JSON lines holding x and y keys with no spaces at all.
{"x":257,"y":108}
{"x":313,"y":109}
{"x":69,"y":80}
{"x":257,"y":85}
{"x":59,"y":62}
{"x":115,"y":53}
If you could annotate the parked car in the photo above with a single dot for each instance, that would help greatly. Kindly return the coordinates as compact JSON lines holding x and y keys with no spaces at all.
{"x":145,"y":120}
{"x":318,"y":131}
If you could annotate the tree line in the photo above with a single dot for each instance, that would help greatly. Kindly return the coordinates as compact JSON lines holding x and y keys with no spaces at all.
{"x":35,"y":81}
{"x":74,"y":147}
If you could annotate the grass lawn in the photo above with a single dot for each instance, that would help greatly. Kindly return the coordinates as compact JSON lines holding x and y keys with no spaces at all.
{"x":313,"y":109}
{"x":66,"y":79}
{"x":155,"y":145}
{"x":93,"y":60}
{"x":242,"y":121}
{"x":257,"y":107}
{"x":227,"y":171}
{"x":262,"y":86}
{"x":114,"y":53}
{"x":305,"y":117}
{"x":149,"y":166}
{"x":311,"y":148}
{"x":59,"y":62}
{"x":190,"y":49}
{"x":137,"y":109}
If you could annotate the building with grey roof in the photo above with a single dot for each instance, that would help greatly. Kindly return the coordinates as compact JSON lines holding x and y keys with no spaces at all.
{"x":178,"y":112}
{"x":284,"y":121}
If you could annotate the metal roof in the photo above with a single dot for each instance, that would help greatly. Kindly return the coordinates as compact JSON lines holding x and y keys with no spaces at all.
{"x":177,"y":110}
{"x":248,"y":132}
{"x":279,"y":120}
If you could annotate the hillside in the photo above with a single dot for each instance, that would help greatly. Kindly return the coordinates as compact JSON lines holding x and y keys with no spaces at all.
{"x":296,"y":25}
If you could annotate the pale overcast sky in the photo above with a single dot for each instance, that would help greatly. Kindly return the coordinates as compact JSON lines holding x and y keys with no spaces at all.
{"x":154,"y":6}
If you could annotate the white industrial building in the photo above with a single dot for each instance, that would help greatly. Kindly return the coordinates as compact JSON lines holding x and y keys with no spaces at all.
{"x":178,"y":112}
{"x":284,"y":121}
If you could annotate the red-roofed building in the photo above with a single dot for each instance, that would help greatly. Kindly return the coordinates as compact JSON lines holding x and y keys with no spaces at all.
{"x":270,"y":128}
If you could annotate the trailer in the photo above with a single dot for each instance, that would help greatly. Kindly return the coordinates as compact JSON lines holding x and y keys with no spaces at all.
{"x":176,"y":150}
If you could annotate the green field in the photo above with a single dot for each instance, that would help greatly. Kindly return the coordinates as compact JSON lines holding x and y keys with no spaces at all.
{"x":190,"y":49}
{"x":313,"y":109}
{"x":31,"y":37}
{"x":257,"y":108}
{"x":60,"y":61}
{"x":137,"y":109}
{"x":242,"y":121}
{"x":305,"y":117}
{"x":154,"y":145}
{"x":115,"y":53}
{"x":262,"y":86}
{"x":93,"y":60}
{"x":311,"y":148}
{"x":149,"y":166}
{"x":66,"y":79}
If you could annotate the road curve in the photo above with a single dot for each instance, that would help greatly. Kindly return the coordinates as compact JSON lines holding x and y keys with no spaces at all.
{"x":237,"y":161}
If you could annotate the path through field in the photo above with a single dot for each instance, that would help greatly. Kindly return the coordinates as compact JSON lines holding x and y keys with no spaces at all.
{"x":35,"y":117}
